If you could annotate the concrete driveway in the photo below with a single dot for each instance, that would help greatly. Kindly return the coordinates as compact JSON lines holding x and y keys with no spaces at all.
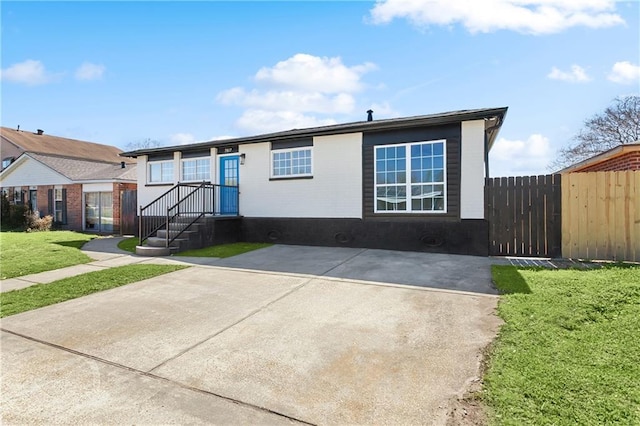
{"x":219,"y":345}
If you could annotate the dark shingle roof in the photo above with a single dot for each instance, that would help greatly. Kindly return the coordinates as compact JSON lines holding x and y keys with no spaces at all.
{"x":497,"y":114}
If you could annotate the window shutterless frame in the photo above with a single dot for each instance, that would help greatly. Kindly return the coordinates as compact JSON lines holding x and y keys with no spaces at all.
{"x":291,"y":163}
{"x":196,"y":169}
{"x":410,"y":178}
{"x":160,"y":171}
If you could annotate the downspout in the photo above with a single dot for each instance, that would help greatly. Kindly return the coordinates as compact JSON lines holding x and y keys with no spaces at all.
{"x":486,"y":155}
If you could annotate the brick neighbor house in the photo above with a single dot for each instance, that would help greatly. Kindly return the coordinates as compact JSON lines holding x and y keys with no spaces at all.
{"x":622,"y":157}
{"x":85,"y":186}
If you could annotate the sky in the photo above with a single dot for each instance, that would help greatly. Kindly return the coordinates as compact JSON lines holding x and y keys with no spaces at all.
{"x":179,"y":72}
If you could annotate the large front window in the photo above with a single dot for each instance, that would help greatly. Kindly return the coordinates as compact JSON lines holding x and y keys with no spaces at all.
{"x":160,"y":171}
{"x":291,"y":163}
{"x":411,"y":177}
{"x":196,"y":169}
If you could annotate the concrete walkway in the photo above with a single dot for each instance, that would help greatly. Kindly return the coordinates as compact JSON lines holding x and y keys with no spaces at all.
{"x":105,"y":254}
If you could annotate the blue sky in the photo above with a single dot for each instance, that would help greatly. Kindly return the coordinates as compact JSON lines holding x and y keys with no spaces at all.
{"x":179,"y":72}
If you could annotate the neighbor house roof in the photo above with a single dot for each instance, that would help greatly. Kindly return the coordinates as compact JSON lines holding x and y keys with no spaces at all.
{"x":26,"y":141}
{"x":493,"y":120}
{"x":80,"y":170}
{"x":621,"y":157}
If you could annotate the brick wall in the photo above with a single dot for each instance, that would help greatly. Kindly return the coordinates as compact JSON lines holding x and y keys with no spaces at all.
{"x":74,"y":207}
{"x":628,"y":161}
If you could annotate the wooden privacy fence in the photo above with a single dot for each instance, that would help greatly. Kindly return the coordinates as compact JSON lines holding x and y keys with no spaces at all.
{"x":524,"y":215}
{"x":601,"y":215}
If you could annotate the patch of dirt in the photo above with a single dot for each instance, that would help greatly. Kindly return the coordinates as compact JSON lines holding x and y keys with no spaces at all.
{"x":469,"y":410}
{"x":466,"y":411}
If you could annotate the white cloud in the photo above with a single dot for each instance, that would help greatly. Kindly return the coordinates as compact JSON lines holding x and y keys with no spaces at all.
{"x":316,"y":74}
{"x":29,"y":72}
{"x":289,"y":100}
{"x":181,"y":138}
{"x":88,"y":71}
{"x":520,"y":157}
{"x":273,"y":121}
{"x":484,"y":16}
{"x":624,"y":73}
{"x":576,"y":75}
{"x":297,"y":93}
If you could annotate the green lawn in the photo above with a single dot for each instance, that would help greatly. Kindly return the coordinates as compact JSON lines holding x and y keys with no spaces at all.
{"x":37,"y":296}
{"x":568,"y":352}
{"x":23,"y":253}
{"x":221,"y":250}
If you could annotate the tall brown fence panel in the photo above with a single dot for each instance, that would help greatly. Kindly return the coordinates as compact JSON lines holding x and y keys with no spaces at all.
{"x":524,"y":215}
{"x":601,"y":215}
{"x":129,"y":212}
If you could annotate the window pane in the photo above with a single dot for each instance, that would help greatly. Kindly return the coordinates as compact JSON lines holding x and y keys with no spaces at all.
{"x":438,"y":148}
{"x":394,"y":172}
{"x":291,"y":163}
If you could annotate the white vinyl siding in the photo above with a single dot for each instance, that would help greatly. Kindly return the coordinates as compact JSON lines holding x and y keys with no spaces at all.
{"x":334,"y":191}
{"x":472,"y":166}
{"x":411,"y":178}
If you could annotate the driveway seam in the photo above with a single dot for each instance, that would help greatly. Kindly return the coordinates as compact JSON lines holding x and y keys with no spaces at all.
{"x":249,"y":315}
{"x":343,"y":262}
{"x":154,"y":376}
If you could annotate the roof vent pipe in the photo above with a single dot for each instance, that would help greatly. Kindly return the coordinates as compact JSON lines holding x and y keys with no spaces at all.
{"x":370,"y":115}
{"x":40,"y":131}
{"x":122,"y":164}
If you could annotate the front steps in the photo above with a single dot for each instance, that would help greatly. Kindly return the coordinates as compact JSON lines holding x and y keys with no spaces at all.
{"x":157,"y":246}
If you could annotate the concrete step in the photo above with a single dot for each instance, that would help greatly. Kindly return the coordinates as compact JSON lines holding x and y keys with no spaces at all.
{"x":152,"y":251}
{"x":162,"y":233}
{"x":178,"y":226}
{"x":160,"y":242}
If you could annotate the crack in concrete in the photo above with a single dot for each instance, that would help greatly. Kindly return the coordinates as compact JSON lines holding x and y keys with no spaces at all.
{"x":149,"y":374}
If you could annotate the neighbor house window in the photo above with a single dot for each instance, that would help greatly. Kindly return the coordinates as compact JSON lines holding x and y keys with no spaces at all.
{"x":17,"y":195}
{"x":58,"y":205}
{"x":196,"y":169}
{"x":6,"y":162}
{"x":160,"y":171}
{"x":410,"y":178}
{"x":291,"y":162}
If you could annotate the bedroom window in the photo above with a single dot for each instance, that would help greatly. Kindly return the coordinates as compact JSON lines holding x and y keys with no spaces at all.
{"x":410,"y":178}
{"x":160,"y":172}
{"x":291,"y":163}
{"x":196,"y":169}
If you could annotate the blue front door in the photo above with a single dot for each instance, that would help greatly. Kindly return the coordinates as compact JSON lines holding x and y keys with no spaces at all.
{"x":229,"y":178}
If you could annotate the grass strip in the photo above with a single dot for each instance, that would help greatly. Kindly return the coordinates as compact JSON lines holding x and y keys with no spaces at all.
{"x":128,"y":244}
{"x":220,"y":250}
{"x":568,"y":351}
{"x":25,"y":253}
{"x":224,"y":250}
{"x":37,"y":296}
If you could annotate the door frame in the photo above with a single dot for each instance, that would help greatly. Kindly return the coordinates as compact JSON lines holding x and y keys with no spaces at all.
{"x":220,"y":180}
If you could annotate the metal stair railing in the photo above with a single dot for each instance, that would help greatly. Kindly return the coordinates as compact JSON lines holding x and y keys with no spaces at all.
{"x":184,"y":201}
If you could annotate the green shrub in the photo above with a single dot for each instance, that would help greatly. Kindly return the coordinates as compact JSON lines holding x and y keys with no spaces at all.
{"x":16,"y":217}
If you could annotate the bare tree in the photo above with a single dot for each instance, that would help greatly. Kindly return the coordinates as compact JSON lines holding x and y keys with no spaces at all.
{"x":619,"y":124}
{"x":142,"y":144}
